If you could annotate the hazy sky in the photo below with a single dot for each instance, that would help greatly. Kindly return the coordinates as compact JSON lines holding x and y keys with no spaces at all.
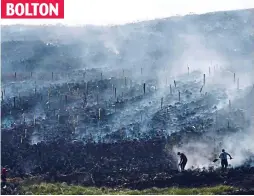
{"x":103,"y":12}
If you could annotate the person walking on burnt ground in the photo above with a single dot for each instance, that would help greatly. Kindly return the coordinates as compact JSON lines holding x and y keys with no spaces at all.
{"x":183,"y":160}
{"x":224,"y":159}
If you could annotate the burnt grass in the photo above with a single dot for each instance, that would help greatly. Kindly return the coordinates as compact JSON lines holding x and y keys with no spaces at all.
{"x":62,"y":121}
{"x":128,"y":164}
{"x":141,"y":161}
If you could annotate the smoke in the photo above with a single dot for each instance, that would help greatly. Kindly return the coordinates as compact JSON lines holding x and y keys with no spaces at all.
{"x":201,"y":153}
{"x":237,"y":140}
{"x":240,"y":146}
{"x":197,"y":56}
{"x":159,"y":51}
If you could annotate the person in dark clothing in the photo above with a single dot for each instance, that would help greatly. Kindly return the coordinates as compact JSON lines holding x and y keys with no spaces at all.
{"x":183,"y":160}
{"x":3,"y":177}
{"x":224,"y":160}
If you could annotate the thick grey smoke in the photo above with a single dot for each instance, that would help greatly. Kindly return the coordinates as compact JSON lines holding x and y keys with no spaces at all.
{"x":201,"y":153}
{"x":238,"y":143}
{"x":215,"y":44}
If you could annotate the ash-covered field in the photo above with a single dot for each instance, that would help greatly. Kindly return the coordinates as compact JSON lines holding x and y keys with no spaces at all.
{"x":111,"y":106}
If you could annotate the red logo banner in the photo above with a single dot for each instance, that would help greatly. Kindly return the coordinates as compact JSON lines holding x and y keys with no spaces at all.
{"x":25,"y":9}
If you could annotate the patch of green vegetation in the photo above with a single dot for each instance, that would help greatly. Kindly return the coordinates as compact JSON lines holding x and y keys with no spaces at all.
{"x":64,"y":189}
